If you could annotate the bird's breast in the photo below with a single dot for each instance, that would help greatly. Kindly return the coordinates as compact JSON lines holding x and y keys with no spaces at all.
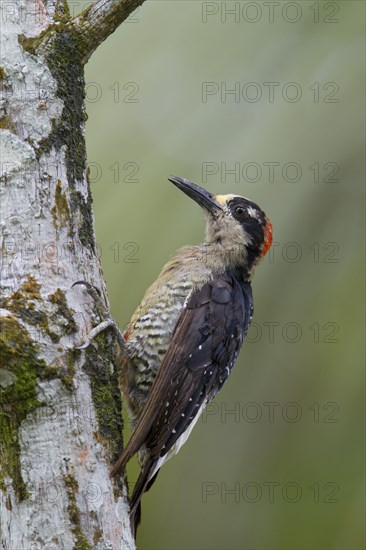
{"x":151,"y":328}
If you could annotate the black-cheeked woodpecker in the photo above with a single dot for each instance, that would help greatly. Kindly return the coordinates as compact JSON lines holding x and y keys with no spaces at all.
{"x":185,"y":336}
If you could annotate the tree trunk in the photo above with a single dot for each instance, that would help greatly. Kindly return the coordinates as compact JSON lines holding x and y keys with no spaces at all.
{"x":60,"y":408}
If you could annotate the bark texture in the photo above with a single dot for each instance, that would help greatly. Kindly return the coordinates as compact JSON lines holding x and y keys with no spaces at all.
{"x":60,"y":408}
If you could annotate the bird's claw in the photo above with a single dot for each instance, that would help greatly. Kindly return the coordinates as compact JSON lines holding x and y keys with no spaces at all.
{"x":89,"y":287}
{"x":83,"y":346}
{"x":96,"y":295}
{"x":107,"y":321}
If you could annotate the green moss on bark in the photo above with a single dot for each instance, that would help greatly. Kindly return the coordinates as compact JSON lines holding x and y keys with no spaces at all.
{"x":22,"y":303}
{"x":6,"y":123}
{"x":67,"y":375}
{"x":63,"y":310}
{"x":30,"y":44}
{"x":60,"y":211}
{"x":72,"y":488}
{"x":86,"y":231}
{"x":27,"y":304}
{"x":106,"y":394}
{"x":62,"y":47}
{"x":98,"y":534}
{"x":19,"y":356}
{"x":32,"y":288}
{"x":65,"y":62}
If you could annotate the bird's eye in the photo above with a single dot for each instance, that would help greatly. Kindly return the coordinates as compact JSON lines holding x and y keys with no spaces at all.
{"x":240,"y":212}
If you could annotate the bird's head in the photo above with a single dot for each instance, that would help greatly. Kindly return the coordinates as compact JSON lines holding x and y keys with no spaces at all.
{"x":237,"y":230}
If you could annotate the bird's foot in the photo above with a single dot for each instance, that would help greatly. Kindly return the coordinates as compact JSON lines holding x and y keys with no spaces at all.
{"x":107,"y":322}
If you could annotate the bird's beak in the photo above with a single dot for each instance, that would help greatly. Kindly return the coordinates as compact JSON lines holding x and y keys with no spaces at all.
{"x":198,"y":194}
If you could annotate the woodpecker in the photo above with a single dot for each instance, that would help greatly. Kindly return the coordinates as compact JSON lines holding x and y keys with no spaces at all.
{"x":185,"y":336}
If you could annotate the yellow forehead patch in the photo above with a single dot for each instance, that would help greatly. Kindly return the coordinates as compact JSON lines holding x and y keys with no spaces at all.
{"x":223,"y":199}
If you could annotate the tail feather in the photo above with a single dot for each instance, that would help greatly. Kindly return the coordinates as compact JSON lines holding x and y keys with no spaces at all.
{"x":135,"y":519}
{"x":143,"y":484}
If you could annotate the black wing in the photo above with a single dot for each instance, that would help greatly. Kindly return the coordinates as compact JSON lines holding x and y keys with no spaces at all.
{"x":202,"y":352}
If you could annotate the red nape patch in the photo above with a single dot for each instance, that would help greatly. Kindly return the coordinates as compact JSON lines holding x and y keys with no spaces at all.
{"x":268,"y":237}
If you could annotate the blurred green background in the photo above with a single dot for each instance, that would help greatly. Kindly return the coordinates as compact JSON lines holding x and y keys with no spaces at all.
{"x":285,"y":468}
